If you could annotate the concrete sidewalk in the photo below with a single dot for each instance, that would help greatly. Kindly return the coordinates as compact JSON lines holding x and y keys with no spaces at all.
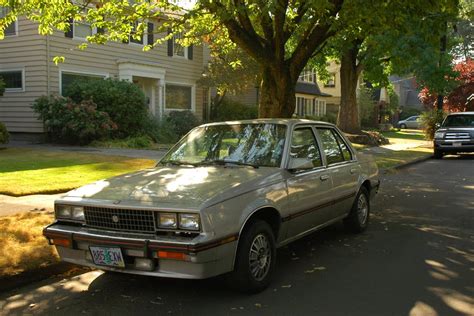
{"x":10,"y":205}
{"x":398,"y":144}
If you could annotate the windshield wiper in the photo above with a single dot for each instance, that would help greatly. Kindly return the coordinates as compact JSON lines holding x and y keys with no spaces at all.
{"x":221,"y":162}
{"x":178,"y":163}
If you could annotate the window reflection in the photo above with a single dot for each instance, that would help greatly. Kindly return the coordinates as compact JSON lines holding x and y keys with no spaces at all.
{"x":256,"y":144}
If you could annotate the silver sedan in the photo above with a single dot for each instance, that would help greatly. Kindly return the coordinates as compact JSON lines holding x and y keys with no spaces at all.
{"x":221,"y":201}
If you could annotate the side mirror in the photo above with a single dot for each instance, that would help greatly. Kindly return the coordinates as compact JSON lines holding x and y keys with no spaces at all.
{"x":300,"y":164}
{"x":437,"y":125}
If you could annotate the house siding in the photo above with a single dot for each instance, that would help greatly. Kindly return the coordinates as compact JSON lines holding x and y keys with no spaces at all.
{"x":26,"y":50}
{"x":34,"y":53}
{"x":103,"y":59}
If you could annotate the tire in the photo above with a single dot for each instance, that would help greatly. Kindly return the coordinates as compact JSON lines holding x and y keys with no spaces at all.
{"x":358,"y":218}
{"x":403,"y":126}
{"x":437,"y":154}
{"x":257,"y":239}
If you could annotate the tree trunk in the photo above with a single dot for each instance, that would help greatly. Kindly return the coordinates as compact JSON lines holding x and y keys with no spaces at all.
{"x":348,"y":117}
{"x":277,"y":94}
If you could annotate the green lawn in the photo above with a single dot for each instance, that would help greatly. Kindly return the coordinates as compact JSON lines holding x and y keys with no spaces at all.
{"x":32,"y":171}
{"x":405,"y":134}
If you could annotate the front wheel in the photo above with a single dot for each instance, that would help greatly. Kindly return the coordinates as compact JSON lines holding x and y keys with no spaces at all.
{"x":255,"y":261}
{"x":358,"y":219}
{"x":403,"y":126}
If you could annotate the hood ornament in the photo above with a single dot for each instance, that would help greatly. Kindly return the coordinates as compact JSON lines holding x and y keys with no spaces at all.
{"x":117,"y":202}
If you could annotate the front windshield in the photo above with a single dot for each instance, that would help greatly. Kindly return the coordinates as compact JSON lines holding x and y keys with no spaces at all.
{"x":253,"y":144}
{"x":459,"y":120}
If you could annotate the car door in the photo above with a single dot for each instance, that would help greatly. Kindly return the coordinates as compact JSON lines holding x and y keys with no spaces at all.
{"x":343,"y":169}
{"x":309,"y":184}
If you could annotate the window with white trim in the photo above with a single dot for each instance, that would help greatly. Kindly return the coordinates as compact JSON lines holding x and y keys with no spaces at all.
{"x":14,"y":80}
{"x":82,"y":30}
{"x":308,"y":75}
{"x":12,"y":28}
{"x":67,"y":78}
{"x":310,"y":107}
{"x":179,"y":97}
{"x":178,"y":49}
{"x":331,"y":81}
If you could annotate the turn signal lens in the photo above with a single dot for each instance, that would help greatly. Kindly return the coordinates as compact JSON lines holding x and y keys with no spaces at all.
{"x":61,"y":242}
{"x":171,"y":255}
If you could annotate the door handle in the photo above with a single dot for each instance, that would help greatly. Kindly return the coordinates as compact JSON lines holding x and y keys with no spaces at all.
{"x":324,"y":177}
{"x":353,"y":170}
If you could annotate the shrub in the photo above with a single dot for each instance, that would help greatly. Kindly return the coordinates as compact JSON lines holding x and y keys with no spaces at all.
{"x":122,"y":100}
{"x":4,"y":136}
{"x":328,"y":117}
{"x":143,"y":141}
{"x":181,"y":122}
{"x":429,"y":120}
{"x":73,"y":123}
{"x":229,"y":110}
{"x":161,"y":131}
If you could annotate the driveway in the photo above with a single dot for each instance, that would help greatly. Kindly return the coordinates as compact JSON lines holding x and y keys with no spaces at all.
{"x":415,"y":259}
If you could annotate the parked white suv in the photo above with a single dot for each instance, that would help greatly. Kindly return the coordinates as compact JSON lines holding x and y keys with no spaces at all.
{"x":455,"y":134}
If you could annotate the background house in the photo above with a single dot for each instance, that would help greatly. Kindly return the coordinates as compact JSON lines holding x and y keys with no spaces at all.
{"x":167,"y":74}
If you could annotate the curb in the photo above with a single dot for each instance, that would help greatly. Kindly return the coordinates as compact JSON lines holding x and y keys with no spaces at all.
{"x":8,"y":283}
{"x":409,"y":163}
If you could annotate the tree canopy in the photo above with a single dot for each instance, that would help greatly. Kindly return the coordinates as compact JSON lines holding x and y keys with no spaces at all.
{"x":281,"y":36}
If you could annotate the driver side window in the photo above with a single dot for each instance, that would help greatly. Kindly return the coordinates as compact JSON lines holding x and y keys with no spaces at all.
{"x":304,"y":151}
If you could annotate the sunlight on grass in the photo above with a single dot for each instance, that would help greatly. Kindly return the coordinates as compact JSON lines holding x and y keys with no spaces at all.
{"x":405,"y":134}
{"x":29,"y":171}
{"x":394,"y":158}
{"x":22,"y":244}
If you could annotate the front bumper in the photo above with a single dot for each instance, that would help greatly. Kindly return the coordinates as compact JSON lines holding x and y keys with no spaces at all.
{"x":453,"y":146}
{"x":201,"y":258}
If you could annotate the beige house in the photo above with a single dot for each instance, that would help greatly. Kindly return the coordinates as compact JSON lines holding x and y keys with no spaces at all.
{"x":310,"y":100}
{"x":332,"y":86}
{"x":167,"y":74}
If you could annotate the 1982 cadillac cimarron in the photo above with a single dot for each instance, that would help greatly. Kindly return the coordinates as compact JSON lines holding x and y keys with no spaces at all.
{"x":220,"y":201}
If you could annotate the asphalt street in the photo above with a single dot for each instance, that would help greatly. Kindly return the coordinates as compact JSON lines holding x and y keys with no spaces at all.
{"x":416,"y":258}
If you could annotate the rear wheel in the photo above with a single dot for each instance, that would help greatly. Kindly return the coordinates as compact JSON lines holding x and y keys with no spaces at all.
{"x":438,"y":154}
{"x":358,"y":219}
{"x":255,"y":261}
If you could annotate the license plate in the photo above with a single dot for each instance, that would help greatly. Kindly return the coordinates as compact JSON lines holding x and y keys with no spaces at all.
{"x":457,"y":144}
{"x":104,"y":256}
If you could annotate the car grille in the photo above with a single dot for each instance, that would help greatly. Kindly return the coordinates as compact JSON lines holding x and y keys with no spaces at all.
{"x":457,"y":136}
{"x":120,"y":219}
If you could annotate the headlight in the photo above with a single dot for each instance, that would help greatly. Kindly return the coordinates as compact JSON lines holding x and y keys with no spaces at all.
{"x":167,"y":220}
{"x":439,"y":134}
{"x":78,"y":213}
{"x":70,"y":212}
{"x":189,"y":221}
{"x":63,"y":211}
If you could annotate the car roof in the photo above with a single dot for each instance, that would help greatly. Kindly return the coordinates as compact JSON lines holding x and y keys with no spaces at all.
{"x":283,"y":121}
{"x":462,"y":113}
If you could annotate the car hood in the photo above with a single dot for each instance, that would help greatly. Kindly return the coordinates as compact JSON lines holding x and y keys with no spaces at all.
{"x":177,"y":187}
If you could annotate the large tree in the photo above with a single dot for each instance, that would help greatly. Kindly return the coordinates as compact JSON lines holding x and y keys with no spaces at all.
{"x":280,"y":35}
{"x":401,"y":37}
